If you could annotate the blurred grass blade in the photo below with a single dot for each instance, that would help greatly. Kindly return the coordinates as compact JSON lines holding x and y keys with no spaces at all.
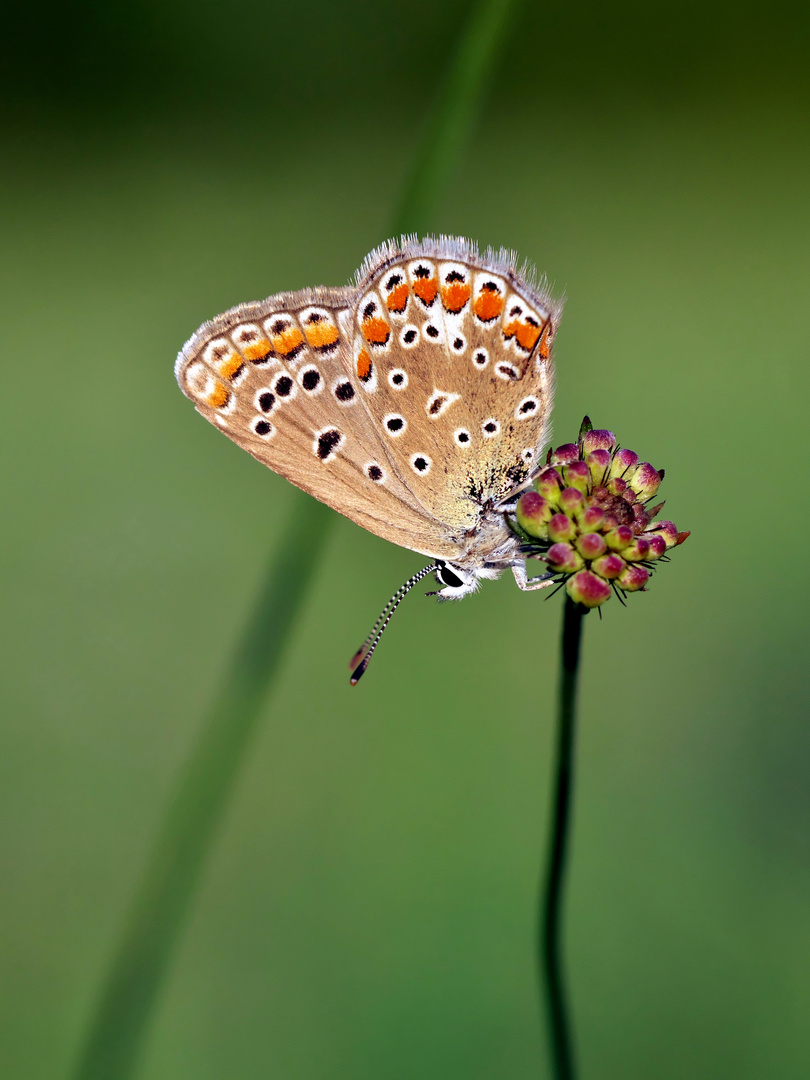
{"x":145,"y":950}
{"x":119,"y":1028}
{"x":452,"y":117}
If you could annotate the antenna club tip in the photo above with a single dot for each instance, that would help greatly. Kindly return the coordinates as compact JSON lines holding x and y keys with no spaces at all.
{"x":358,"y":656}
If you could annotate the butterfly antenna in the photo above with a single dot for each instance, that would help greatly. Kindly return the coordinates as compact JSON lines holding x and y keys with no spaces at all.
{"x":361,"y":659}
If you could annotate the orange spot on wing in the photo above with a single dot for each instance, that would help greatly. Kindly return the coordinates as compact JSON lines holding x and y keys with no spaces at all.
{"x":545,"y":342}
{"x":363,"y":364}
{"x":528,"y":335}
{"x":257,"y":351}
{"x":525,"y":333}
{"x":321,"y":335}
{"x":489,"y":305}
{"x":397,"y":298}
{"x":218,"y":397}
{"x":376,"y":331}
{"x":426,"y":289}
{"x":288,"y":340}
{"x":455,"y":296}
{"x":228,"y":368}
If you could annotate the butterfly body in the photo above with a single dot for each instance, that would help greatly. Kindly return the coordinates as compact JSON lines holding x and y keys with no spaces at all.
{"x":415,"y":402}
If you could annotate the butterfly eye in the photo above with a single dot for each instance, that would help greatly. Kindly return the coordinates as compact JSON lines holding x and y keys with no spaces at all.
{"x":447,"y":577}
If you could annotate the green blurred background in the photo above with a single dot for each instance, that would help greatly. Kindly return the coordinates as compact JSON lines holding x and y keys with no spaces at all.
{"x":368,"y":909}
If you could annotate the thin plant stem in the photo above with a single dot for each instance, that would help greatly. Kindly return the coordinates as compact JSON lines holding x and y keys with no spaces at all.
{"x":551,"y":966}
{"x":120,"y":1025}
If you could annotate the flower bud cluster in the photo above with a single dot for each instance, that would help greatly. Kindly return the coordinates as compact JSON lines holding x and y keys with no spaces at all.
{"x":588,"y":517}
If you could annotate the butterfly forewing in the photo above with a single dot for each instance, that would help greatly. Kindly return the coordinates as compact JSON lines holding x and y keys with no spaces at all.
{"x":457,"y":357}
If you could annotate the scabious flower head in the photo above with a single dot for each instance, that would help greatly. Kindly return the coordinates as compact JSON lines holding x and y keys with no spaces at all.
{"x":589,"y":517}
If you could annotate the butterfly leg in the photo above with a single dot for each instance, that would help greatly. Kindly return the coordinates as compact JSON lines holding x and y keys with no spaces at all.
{"x":529,"y":585}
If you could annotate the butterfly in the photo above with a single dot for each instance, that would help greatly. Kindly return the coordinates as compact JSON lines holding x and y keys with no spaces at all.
{"x":415,"y":402}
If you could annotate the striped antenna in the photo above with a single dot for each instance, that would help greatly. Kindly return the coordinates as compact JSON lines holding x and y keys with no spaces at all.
{"x":361,"y":659}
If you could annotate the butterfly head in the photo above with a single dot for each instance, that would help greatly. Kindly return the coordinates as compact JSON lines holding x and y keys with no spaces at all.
{"x":455,"y":582}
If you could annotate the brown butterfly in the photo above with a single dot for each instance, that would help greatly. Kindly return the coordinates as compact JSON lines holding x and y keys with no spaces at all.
{"x":416,"y":401}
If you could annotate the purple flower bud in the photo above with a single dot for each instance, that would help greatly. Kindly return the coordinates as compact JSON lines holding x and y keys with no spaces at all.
{"x":658,"y":546}
{"x":563,"y":454}
{"x":609,"y":566}
{"x":578,"y":475}
{"x":622,"y":461}
{"x":533,"y":513}
{"x":669,"y":532}
{"x":588,"y":589}
{"x":598,"y":440}
{"x":618,"y":539}
{"x":617,"y":486}
{"x":563,"y":557}
{"x":638,"y":550}
{"x":598,"y":462}
{"x":561,"y":527}
{"x":571,"y":501}
{"x":645,"y":480}
{"x":634,"y":578}
{"x":548,"y":484}
{"x":591,"y":545}
{"x":592,"y":519}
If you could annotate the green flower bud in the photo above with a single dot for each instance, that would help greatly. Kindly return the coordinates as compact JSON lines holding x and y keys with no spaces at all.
{"x":563,"y":558}
{"x":563,"y":454}
{"x":591,"y":546}
{"x":588,"y":589}
{"x":549,"y":484}
{"x":578,"y":475}
{"x":645,"y":480}
{"x":571,"y":501}
{"x":609,"y":566}
{"x":534,"y":513}
{"x":561,"y":527}
{"x":634,"y":578}
{"x":598,"y":440}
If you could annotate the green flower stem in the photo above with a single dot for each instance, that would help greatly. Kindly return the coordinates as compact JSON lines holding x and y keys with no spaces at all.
{"x":551,"y":968}
{"x":120,"y":1025}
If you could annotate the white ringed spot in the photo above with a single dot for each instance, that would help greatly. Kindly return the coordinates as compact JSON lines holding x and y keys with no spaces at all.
{"x":506,"y":371}
{"x":420,"y":463}
{"x":263,"y":428}
{"x":439,"y":402}
{"x":527,"y":408}
{"x":409,"y":336}
{"x":327,"y":443}
{"x":462,"y":437}
{"x":398,"y":378}
{"x":344,"y":392}
{"x":284,"y":387}
{"x":490,"y":428}
{"x":394,"y":424}
{"x":374,"y":472}
{"x":480,"y":358}
{"x":264,"y":400}
{"x":309,"y":379}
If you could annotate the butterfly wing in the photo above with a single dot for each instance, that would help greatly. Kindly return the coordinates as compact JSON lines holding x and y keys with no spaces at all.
{"x":453,"y":351}
{"x":277,"y":378}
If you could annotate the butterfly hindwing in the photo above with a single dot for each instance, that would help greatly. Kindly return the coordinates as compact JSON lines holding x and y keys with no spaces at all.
{"x":276,"y":378}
